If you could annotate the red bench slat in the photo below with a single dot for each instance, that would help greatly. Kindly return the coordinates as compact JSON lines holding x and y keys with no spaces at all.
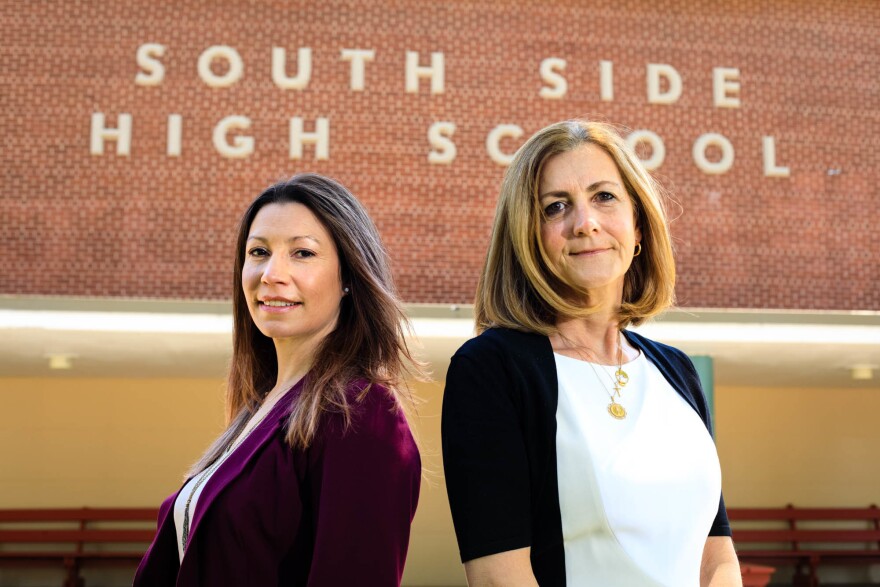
{"x":128,"y":556}
{"x":804,"y":554}
{"x":804,"y":514}
{"x":807,"y":535}
{"x":53,"y":535}
{"x":79,"y":514}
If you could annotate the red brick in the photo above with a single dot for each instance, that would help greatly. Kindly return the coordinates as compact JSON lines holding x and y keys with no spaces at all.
{"x":152,"y":226}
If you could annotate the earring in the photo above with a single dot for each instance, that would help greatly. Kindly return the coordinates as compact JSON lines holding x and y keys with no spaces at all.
{"x":345,"y":289}
{"x":638,"y":250}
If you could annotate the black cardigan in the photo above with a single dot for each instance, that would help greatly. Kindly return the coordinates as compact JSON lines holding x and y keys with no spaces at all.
{"x":499,"y":443}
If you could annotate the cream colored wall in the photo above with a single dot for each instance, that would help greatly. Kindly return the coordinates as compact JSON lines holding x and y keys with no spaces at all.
{"x":433,"y":555}
{"x":809,"y":447}
{"x":102,"y":442}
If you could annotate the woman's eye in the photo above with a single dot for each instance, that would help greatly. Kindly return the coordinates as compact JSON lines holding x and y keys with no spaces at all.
{"x":257,"y":252}
{"x":554,"y":209}
{"x":303,"y":253}
{"x":605,"y":197}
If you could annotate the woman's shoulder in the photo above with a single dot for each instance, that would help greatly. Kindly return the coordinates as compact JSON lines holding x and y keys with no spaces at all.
{"x":503,"y":342}
{"x":657,"y":349}
{"x":375,"y":439}
{"x":677,"y":368}
{"x":375,"y":415}
{"x":513,"y":362}
{"x":372,"y":398}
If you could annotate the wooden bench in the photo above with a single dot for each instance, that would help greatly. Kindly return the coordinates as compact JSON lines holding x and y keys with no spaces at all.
{"x":806,"y":537}
{"x":70,"y":537}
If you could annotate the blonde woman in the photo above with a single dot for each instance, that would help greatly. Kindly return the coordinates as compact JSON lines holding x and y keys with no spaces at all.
{"x":578,"y":452}
{"x":316,"y":479}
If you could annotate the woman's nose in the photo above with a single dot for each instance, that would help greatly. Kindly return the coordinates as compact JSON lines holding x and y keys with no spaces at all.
{"x":584,"y":219}
{"x":274,"y":271}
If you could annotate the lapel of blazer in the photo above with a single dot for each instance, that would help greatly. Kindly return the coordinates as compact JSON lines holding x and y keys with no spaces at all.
{"x":160,"y":563}
{"x":233,"y":466}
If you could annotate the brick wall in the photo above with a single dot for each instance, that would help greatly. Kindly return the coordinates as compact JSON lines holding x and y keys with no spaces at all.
{"x":151,"y":225}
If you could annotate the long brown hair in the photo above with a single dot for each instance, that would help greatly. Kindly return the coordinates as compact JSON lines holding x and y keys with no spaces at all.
{"x":368,"y":342}
{"x":518,"y":289}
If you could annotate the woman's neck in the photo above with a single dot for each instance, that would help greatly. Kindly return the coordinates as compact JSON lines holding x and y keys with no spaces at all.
{"x":294,"y":358}
{"x":595,"y":338}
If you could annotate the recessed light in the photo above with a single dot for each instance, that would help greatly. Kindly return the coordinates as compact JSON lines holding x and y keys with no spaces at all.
{"x":60,"y":361}
{"x":862,"y":372}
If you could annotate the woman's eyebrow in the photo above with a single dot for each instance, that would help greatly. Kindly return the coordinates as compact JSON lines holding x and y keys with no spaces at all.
{"x":590,"y":188}
{"x":257,"y":237}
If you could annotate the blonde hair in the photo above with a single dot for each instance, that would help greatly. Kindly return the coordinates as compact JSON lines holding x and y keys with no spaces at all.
{"x":519,"y":289}
{"x":368,"y":343}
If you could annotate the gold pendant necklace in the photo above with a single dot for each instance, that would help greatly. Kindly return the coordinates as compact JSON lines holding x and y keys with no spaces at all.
{"x":616,"y":410}
{"x":618,"y":382}
{"x":620,"y":379}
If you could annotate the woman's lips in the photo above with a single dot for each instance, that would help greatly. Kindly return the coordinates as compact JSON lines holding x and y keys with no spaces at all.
{"x":277,"y":305}
{"x":588,"y":253}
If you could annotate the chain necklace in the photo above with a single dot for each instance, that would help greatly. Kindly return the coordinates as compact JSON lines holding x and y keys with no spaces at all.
{"x":618,"y":382}
{"x":184,"y":535}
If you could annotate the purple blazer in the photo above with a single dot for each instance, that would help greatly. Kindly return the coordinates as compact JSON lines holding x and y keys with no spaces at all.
{"x":335,"y":514}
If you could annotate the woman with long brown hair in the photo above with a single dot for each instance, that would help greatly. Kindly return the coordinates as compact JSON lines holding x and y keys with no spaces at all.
{"x":316,"y":479}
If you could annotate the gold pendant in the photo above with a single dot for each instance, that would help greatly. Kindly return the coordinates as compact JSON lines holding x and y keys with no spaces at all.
{"x":616,"y":410}
{"x":621,"y":377}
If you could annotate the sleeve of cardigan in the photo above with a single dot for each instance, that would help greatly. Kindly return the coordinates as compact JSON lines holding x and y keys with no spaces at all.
{"x":365,"y":480}
{"x":484,"y":458}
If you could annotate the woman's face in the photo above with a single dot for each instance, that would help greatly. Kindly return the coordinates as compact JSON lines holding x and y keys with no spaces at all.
{"x":588,"y":229}
{"x":291,"y":274}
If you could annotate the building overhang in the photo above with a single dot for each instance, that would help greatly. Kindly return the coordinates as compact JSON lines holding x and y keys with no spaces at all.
{"x":74,"y":337}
